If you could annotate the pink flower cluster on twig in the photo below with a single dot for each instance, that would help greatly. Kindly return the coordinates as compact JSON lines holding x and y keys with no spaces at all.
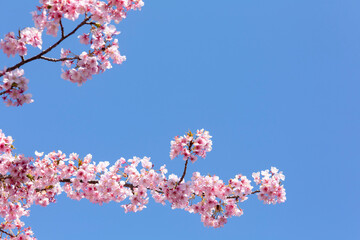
{"x":14,"y":87}
{"x":5,"y":143}
{"x":271,"y":188}
{"x":190,"y":146}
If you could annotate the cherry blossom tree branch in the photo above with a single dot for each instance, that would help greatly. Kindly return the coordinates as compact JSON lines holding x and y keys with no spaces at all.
{"x":128,"y":185}
{"x":58,"y":60}
{"x":186,"y":163}
{"x":9,"y":234}
{"x":62,"y":29}
{"x":237,"y":197}
{"x":68,"y":180}
{"x":4,"y":92}
{"x":184,"y":173}
{"x":2,"y":177}
{"x":39,"y":56}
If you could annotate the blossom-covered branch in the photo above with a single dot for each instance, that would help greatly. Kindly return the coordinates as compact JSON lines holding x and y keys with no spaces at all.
{"x":49,"y":16}
{"x":25,"y":181}
{"x":33,"y":36}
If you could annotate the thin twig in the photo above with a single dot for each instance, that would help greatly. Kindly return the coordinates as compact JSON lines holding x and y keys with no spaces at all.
{"x":184,"y":173}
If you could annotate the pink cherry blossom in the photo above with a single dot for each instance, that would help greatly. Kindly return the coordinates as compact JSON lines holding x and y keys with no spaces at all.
{"x":11,"y":45}
{"x":271,"y":188}
{"x":189,"y":145}
{"x":14,"y":86}
{"x":31,"y":36}
{"x":84,"y":38}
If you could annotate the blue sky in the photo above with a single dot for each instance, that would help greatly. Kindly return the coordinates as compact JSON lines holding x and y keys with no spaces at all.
{"x":275,"y":82}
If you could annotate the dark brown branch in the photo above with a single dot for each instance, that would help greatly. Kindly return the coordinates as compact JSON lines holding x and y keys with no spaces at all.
{"x":38,"y":56}
{"x":3,"y":177}
{"x":237,"y":197}
{"x":58,"y":60}
{"x":9,"y":234}
{"x":62,"y":29}
{"x":68,"y":180}
{"x":186,"y":163}
{"x":4,"y":92}
{"x":92,"y":24}
{"x":184,"y":173}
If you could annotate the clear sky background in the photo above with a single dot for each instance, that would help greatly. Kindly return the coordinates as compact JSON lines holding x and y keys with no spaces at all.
{"x":276,"y":82}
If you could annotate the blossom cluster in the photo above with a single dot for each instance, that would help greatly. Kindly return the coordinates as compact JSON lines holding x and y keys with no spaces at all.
{"x":84,"y":66}
{"x":5,"y":143}
{"x":190,"y":146}
{"x":12,"y":45}
{"x":271,"y":188}
{"x":14,"y":87}
{"x":25,"y":181}
{"x":104,"y":48}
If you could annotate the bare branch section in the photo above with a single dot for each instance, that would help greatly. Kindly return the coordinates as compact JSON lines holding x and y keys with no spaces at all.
{"x":58,"y":60}
{"x":237,"y":197}
{"x":62,"y":29}
{"x":9,"y":234}
{"x":186,"y":163}
{"x":40,"y":55}
{"x":184,"y":173}
{"x":3,"y":177}
{"x":4,"y":92}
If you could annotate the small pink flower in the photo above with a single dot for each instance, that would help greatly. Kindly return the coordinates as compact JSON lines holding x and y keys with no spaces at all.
{"x":84,"y":38}
{"x":31,"y":36}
